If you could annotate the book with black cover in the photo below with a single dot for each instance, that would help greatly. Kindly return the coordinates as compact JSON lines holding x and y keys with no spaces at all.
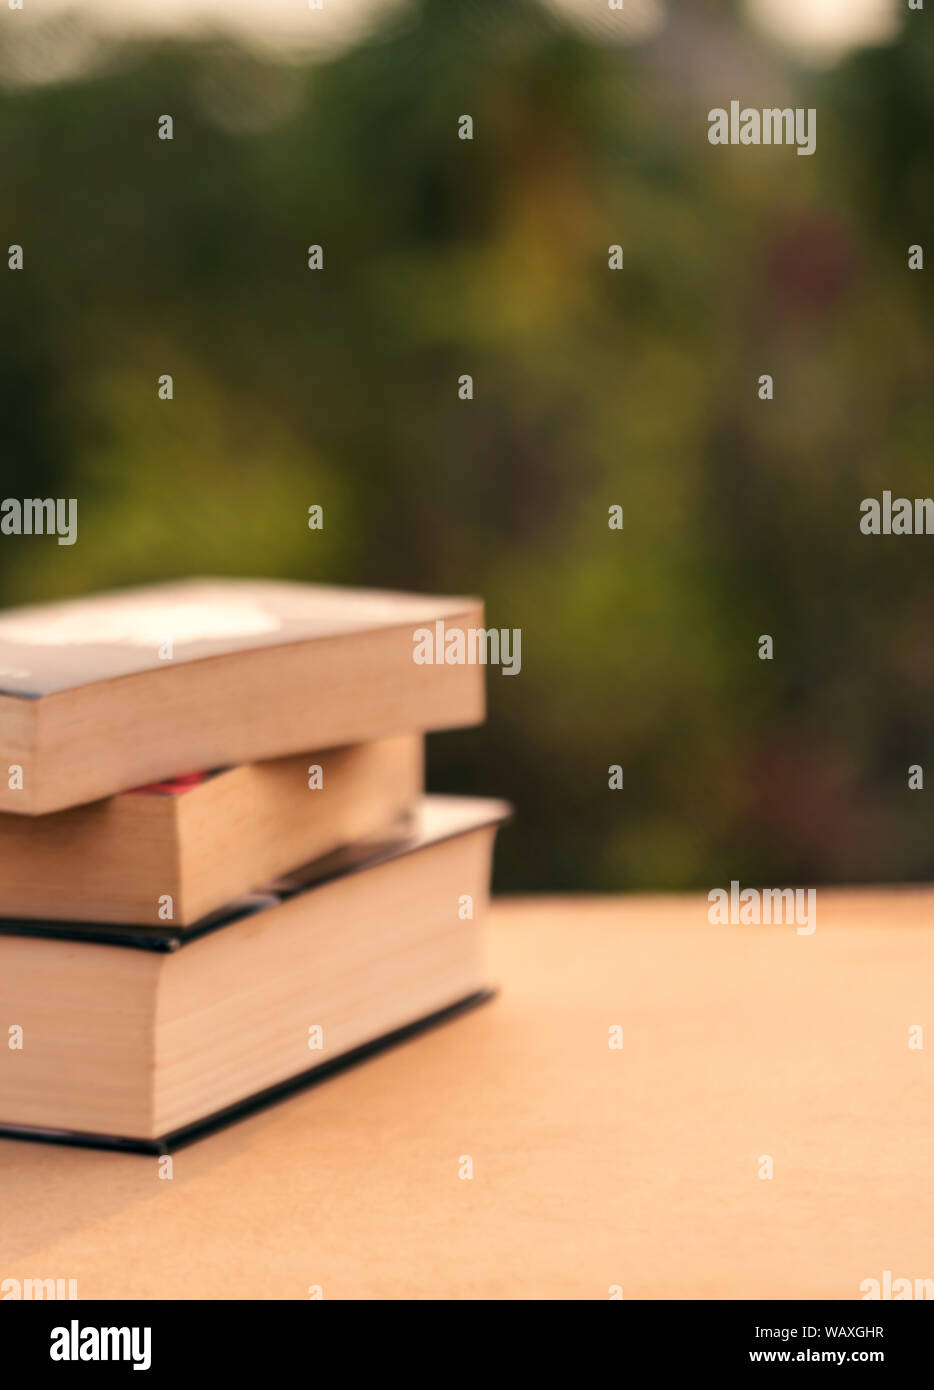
{"x":142,"y":1038}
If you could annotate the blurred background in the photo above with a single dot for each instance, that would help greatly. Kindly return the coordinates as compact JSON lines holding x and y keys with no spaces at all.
{"x":338,"y":126}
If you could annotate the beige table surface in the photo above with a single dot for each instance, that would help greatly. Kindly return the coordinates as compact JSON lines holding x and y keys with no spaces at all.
{"x":592,"y":1167}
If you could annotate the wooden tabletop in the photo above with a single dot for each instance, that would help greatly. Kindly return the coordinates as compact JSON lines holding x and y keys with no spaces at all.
{"x":594,"y":1168}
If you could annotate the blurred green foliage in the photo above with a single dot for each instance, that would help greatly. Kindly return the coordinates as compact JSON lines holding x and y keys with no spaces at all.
{"x":592,"y":387}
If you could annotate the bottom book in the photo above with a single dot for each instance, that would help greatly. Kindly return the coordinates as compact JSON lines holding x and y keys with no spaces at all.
{"x":143,"y":1039}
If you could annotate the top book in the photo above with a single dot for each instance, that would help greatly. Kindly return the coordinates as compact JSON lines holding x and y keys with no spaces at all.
{"x":102,"y":694}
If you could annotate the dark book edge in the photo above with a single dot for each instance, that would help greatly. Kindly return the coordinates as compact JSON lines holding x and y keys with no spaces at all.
{"x":200,"y":1129}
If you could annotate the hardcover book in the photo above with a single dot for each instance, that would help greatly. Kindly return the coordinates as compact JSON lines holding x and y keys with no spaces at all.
{"x":142,"y":1038}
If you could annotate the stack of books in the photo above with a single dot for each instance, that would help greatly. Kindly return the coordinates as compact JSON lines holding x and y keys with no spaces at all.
{"x":220,"y":878}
